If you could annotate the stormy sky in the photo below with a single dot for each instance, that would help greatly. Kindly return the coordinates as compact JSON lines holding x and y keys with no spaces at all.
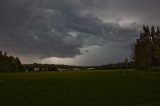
{"x":74,"y":32}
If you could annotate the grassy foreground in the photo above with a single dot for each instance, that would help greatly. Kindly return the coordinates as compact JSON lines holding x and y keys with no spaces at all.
{"x":91,"y":88}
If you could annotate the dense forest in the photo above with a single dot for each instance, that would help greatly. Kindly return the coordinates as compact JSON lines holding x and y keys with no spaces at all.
{"x":9,"y":63}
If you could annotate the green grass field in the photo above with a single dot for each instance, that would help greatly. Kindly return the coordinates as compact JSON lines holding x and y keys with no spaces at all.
{"x":90,"y":88}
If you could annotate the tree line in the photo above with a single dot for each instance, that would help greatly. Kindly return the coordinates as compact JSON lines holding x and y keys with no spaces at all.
{"x":9,"y":63}
{"x":146,"y":55}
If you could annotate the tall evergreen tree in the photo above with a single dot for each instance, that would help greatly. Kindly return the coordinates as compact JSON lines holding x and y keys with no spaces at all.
{"x":147,"y":48}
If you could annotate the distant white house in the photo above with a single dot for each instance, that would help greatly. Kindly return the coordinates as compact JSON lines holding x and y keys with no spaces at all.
{"x":36,"y":69}
{"x":61,"y":69}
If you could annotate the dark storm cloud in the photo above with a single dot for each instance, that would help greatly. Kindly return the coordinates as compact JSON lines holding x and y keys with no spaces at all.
{"x":60,"y":28}
{"x":54,"y":27}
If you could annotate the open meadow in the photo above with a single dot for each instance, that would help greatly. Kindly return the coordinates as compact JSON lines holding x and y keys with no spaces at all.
{"x":81,"y":88}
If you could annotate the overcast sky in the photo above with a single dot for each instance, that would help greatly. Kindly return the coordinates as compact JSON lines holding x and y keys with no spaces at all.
{"x":74,"y":32}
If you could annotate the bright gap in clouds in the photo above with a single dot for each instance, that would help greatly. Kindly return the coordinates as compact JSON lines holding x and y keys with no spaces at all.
{"x":93,"y":55}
